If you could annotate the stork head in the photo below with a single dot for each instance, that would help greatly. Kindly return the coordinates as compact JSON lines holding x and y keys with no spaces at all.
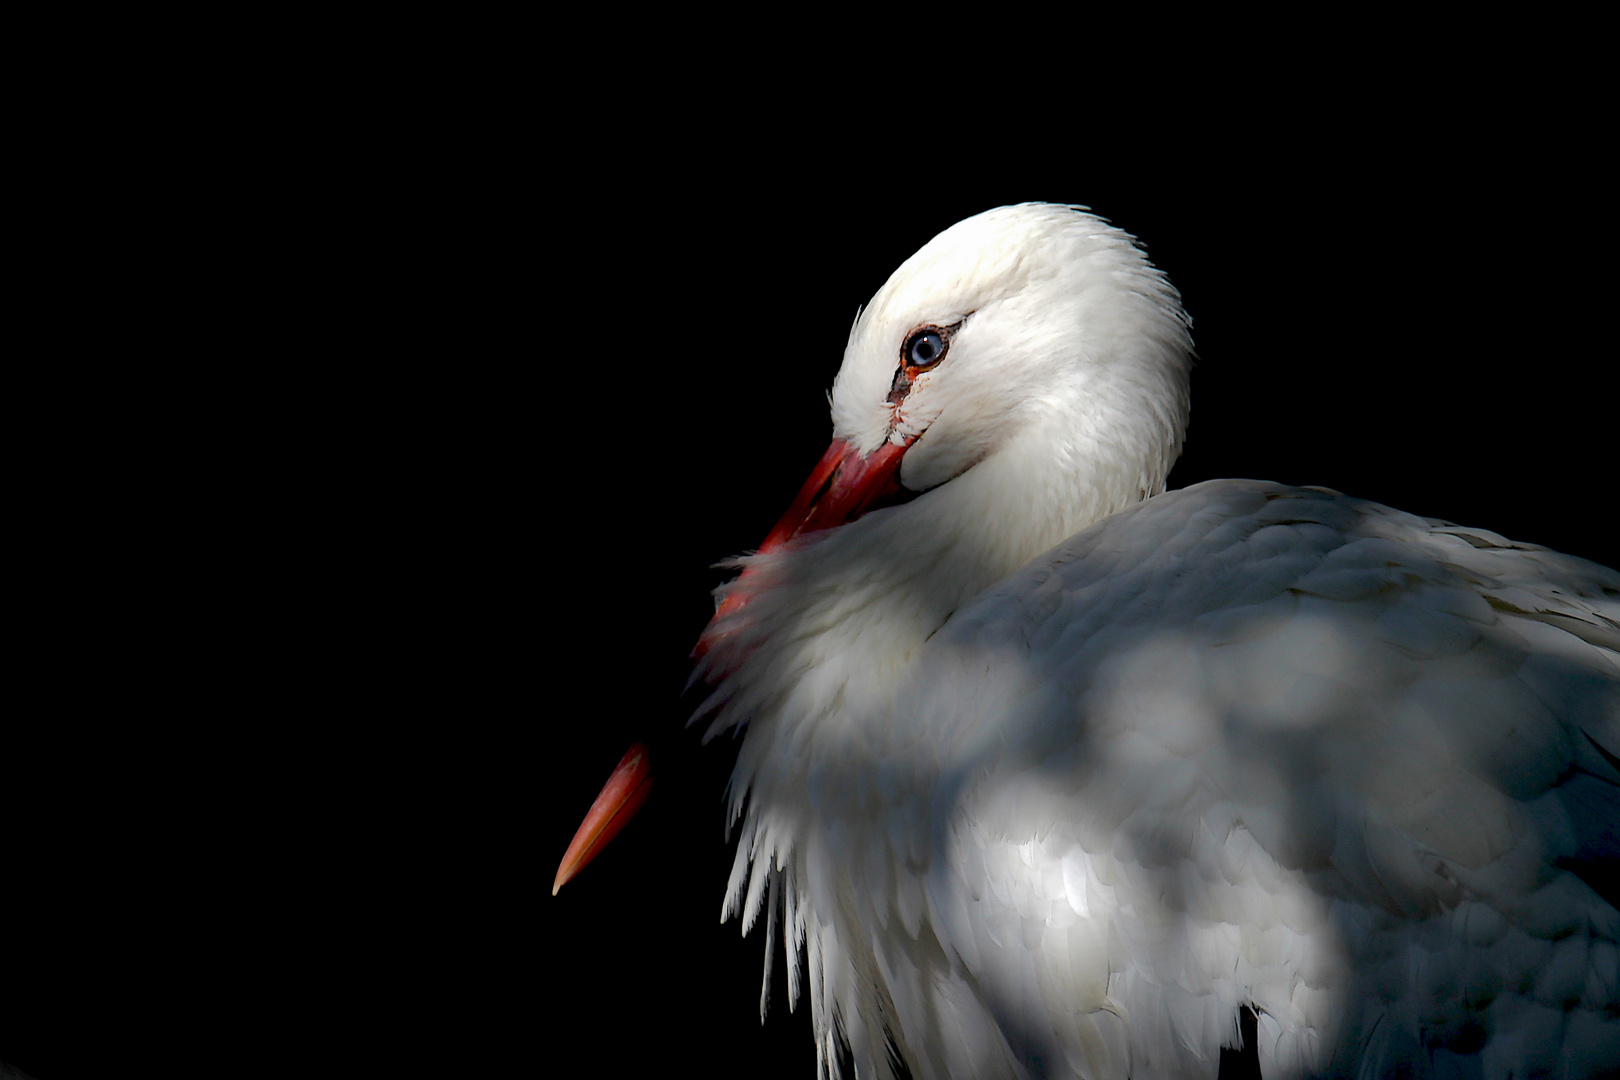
{"x":1036,"y":324}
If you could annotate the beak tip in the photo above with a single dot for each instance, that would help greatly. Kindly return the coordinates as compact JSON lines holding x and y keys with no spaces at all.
{"x":618,"y":802}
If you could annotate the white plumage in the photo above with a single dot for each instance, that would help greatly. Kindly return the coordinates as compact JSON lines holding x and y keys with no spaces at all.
{"x":1041,"y":779}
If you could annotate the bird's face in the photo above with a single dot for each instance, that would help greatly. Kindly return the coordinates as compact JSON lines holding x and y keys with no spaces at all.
{"x":1034,"y":323}
{"x":1004,"y":320}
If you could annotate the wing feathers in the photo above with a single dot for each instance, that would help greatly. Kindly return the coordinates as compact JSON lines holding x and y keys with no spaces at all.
{"x":1241,"y":744}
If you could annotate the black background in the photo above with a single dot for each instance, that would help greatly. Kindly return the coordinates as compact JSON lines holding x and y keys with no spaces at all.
{"x":353,"y":612}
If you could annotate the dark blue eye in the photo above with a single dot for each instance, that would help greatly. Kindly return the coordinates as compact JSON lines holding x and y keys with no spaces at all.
{"x":924,"y":347}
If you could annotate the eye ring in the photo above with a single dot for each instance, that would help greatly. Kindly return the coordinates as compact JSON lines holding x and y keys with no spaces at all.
{"x":925,"y":347}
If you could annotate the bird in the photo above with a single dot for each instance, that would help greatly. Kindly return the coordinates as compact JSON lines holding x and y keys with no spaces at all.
{"x":1047,"y":771}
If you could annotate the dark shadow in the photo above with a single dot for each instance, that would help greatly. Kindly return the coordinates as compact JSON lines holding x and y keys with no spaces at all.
{"x":1242,"y":1063}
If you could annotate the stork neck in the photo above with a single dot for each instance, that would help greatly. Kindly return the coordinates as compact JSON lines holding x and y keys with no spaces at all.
{"x":854,"y":605}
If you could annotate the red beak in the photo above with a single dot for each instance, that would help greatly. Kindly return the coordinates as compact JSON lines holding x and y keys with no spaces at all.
{"x":843,"y":486}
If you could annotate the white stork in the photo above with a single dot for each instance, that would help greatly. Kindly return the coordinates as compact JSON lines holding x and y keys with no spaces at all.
{"x":1050,"y":773}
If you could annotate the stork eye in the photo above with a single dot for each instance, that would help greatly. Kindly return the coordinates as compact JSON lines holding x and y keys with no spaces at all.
{"x":924,"y":347}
